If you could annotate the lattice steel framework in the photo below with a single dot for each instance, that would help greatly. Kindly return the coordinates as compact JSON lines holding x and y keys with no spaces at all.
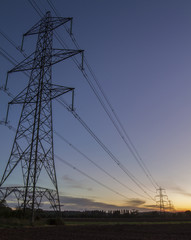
{"x":161,"y":200}
{"x":33,"y":143}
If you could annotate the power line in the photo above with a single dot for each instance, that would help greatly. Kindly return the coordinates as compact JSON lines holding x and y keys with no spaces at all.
{"x":95,"y":164}
{"x":88,"y":176}
{"x":7,"y":56}
{"x":125,"y":170}
{"x":9,"y":40}
{"x":117,"y":162}
{"x":12,"y":43}
{"x":10,"y":127}
{"x":130,"y":145}
{"x":36,"y":8}
{"x":105,"y":148}
{"x":159,"y":198}
{"x":74,"y":168}
{"x":10,"y":59}
{"x":111,"y":155}
{"x":53,"y":8}
{"x":106,"y":110}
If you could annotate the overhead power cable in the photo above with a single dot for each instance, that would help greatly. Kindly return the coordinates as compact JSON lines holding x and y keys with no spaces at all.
{"x":131,"y":176}
{"x":61,"y":137}
{"x":125,"y":170}
{"x":75,"y":168}
{"x":103,"y":146}
{"x":102,"y":103}
{"x":9,"y":40}
{"x":36,"y":8}
{"x":7,"y":56}
{"x":11,"y":95}
{"x":53,"y":8}
{"x":88,"y":176}
{"x":128,"y":143}
{"x":95,"y":164}
{"x":12,"y":43}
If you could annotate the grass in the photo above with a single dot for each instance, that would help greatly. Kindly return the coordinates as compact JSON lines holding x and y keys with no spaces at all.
{"x":16,"y":222}
{"x":13,"y":222}
{"x":78,"y":223}
{"x":20,"y":222}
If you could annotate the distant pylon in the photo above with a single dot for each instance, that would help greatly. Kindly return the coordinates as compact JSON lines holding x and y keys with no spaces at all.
{"x":161,"y":199}
{"x":33,"y":143}
{"x":171,"y":206}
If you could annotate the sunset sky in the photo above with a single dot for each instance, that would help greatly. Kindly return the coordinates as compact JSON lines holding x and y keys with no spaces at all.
{"x":140,"y":52}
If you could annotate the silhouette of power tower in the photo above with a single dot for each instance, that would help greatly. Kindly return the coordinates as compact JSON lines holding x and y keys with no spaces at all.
{"x":171,"y":206}
{"x":33,"y":143}
{"x":161,"y":199}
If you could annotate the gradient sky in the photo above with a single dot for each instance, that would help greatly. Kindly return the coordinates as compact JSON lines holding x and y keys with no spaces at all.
{"x":140,"y":51}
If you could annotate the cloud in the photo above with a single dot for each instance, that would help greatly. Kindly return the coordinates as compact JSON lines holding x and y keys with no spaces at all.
{"x":151,"y":206}
{"x":74,"y":203}
{"x":84,"y":203}
{"x":81,"y":204}
{"x":67,"y":178}
{"x":181,"y":191}
{"x":72,"y":183}
{"x":135,"y":202}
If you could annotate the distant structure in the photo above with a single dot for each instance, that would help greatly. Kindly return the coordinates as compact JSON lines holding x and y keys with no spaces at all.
{"x":171,"y":206}
{"x":33,"y":143}
{"x":161,"y":200}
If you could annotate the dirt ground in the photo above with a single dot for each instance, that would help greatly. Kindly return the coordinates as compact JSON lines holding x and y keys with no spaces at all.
{"x":105,"y":232}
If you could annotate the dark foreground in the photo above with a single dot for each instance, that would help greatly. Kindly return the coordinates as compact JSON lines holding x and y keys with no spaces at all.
{"x":105,"y":232}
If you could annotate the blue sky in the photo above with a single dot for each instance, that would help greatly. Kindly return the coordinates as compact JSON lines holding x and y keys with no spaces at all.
{"x":140,"y":52}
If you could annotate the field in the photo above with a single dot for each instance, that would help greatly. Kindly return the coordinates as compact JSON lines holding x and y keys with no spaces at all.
{"x":105,"y":231}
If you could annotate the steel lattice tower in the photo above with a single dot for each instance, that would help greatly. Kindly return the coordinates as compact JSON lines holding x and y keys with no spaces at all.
{"x":33,"y":143}
{"x":161,"y":199}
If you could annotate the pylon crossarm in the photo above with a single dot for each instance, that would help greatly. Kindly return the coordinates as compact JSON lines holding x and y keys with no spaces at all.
{"x":7,"y":191}
{"x":57,"y":91}
{"x":20,"y":98}
{"x":58,"y":55}
{"x":62,"y":54}
{"x":24,"y":65}
{"x":54,"y":22}
{"x":41,"y":193}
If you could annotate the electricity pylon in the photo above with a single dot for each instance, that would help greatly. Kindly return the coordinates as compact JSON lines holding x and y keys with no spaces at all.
{"x":33,"y":143}
{"x":171,"y":206}
{"x":161,"y":199}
